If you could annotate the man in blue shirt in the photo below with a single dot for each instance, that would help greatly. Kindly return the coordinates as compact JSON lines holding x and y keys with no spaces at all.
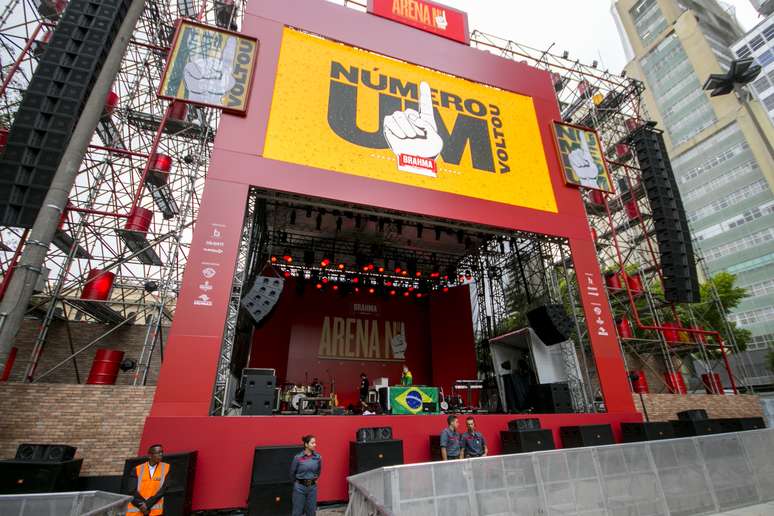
{"x":304,"y":471}
{"x":451,"y":440}
{"x":473,"y":443}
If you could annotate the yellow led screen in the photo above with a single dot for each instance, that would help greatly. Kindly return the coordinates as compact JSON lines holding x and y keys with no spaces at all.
{"x":344,"y":109}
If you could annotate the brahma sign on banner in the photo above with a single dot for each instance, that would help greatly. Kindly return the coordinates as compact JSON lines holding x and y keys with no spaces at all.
{"x":372,"y":116}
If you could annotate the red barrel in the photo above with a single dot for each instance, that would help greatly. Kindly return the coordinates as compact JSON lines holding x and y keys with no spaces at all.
{"x":675,"y":383}
{"x":631,"y":124}
{"x":631,"y":209}
{"x":110,"y":103}
{"x":597,"y":197}
{"x":634,"y":281}
{"x":640,"y":385}
{"x":140,"y":220}
{"x":161,"y":162}
{"x":622,"y":151}
{"x":670,"y":331}
{"x":104,"y":369}
{"x":624,"y":328}
{"x":712,"y":383}
{"x":9,"y":364}
{"x":98,"y":285}
{"x":613,"y":280}
{"x":178,"y":111}
{"x":3,"y":139}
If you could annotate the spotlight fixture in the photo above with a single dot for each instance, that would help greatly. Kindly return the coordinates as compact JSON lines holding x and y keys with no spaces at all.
{"x":287,"y":274}
{"x":445,"y":289}
{"x":392,"y":292}
{"x":406,"y":294}
{"x":371,"y":290}
{"x":594,"y":64}
{"x":565,"y":54}
{"x":341,"y":266}
{"x":335,"y":287}
{"x":287,"y":256}
{"x":273,"y":259}
{"x":325,"y":262}
{"x":318,"y":286}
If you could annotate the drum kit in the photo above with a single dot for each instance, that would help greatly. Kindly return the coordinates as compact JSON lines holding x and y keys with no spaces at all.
{"x":292,"y":394}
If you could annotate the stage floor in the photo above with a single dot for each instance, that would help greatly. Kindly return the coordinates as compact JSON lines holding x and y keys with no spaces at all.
{"x":225,"y":444}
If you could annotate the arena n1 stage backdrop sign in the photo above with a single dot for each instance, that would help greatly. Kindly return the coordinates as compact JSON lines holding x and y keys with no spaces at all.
{"x":379,"y":118}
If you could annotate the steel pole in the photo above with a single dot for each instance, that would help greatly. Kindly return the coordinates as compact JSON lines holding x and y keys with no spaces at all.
{"x":17,"y":296}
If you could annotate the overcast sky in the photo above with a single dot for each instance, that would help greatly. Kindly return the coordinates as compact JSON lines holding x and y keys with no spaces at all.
{"x":585,"y":28}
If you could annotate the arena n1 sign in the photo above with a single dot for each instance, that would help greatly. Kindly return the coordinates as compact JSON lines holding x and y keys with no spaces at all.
{"x":351,"y":111}
{"x":428,"y":16}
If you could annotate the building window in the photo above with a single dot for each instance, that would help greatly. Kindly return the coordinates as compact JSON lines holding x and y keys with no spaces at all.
{"x":743,"y":51}
{"x":728,"y":200}
{"x":648,"y":20}
{"x":753,"y":316}
{"x":761,"y":84}
{"x":757,"y":42}
{"x":751,"y":265}
{"x":769,"y":102}
{"x":765,"y":58}
{"x":768,"y":32}
{"x":748,"y":242}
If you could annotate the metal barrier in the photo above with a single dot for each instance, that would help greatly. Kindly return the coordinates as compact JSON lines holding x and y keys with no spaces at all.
{"x":675,"y":477}
{"x":86,"y":503}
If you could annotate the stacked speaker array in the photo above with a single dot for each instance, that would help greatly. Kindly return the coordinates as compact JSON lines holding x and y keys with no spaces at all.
{"x":40,"y":468}
{"x":374,"y":448}
{"x":525,"y":435}
{"x":53,"y":103}
{"x":681,"y":284}
{"x":259,"y":392}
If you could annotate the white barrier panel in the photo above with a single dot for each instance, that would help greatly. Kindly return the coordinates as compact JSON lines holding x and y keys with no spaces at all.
{"x":675,"y":477}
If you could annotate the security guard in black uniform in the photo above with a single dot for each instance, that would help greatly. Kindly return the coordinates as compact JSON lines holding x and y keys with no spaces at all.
{"x":304,"y":471}
{"x":473,"y":443}
{"x":451,"y":446}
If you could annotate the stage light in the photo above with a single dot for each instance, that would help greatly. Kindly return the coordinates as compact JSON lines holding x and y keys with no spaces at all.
{"x":286,"y":274}
{"x":325,"y":262}
{"x":318,"y":222}
{"x":388,"y":283}
{"x":380,"y":269}
{"x":418,"y":274}
{"x":398,"y":270}
{"x":594,"y":64}
{"x":420,"y":229}
{"x":435,"y":274}
{"x":325,"y":280}
{"x":565,"y":54}
{"x":357,"y":290}
{"x":335,"y":287}
{"x":371,"y":290}
{"x":287,"y":256}
{"x":341,"y":266}
{"x":404,"y":273}
{"x":437,"y":233}
{"x":411,"y":289}
{"x":273,"y":259}
{"x":356,"y":279}
{"x":318,"y":286}
{"x":406,"y":294}
{"x":419,"y":294}
{"x":445,"y":289}
{"x":392,"y":292}
{"x":293,"y":217}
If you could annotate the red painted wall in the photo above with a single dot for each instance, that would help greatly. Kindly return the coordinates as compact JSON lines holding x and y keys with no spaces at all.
{"x":439,"y":333}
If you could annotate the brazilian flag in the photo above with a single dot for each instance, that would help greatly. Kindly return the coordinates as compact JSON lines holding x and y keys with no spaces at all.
{"x":410,"y":400}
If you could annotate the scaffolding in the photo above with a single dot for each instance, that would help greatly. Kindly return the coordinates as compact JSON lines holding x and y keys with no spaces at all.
{"x":152,"y":154}
{"x":146,"y":154}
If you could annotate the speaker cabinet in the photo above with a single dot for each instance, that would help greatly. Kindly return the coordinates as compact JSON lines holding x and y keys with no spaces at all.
{"x":259,"y":392}
{"x":182,"y":468}
{"x":692,"y":415}
{"x":271,"y":499}
{"x":551,"y":398}
{"x":372,"y":455}
{"x":635,"y":432}
{"x":551,"y":323}
{"x":740,"y":424}
{"x":377,"y":433}
{"x":271,"y":464}
{"x":262,"y":297}
{"x":517,"y":425}
{"x":586,"y":435}
{"x":22,"y":477}
{"x":45,"y":452}
{"x":693,"y":428}
{"x":526,"y":441}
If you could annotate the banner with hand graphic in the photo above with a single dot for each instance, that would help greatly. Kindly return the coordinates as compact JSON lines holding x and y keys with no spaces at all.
{"x":209,"y":66}
{"x":583,"y":162}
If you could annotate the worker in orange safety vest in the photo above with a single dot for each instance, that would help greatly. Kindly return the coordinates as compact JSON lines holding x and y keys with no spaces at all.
{"x":148,"y":482}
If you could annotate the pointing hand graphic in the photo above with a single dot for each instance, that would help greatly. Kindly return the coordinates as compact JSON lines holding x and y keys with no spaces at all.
{"x":413,"y":136}
{"x":440,"y":21}
{"x":209,"y":78}
{"x":583,"y":164}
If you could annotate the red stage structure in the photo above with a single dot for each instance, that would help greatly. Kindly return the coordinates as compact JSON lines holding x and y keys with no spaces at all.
{"x":266,"y":152}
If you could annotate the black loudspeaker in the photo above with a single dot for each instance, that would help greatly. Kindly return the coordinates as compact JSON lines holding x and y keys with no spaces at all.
{"x":272,"y":499}
{"x":372,"y":455}
{"x":681,"y":283}
{"x":526,"y":441}
{"x":271,"y":464}
{"x":45,"y":452}
{"x":22,"y":477}
{"x":182,"y":468}
{"x":517,"y":425}
{"x":551,"y":323}
{"x":692,"y":415}
{"x":635,"y":432}
{"x":258,"y":386}
{"x":384,"y":398}
{"x":695,"y":427}
{"x":262,"y":297}
{"x":53,"y":103}
{"x":740,"y":424}
{"x":586,"y":435}
{"x":551,"y":398}
{"x":377,"y":433}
